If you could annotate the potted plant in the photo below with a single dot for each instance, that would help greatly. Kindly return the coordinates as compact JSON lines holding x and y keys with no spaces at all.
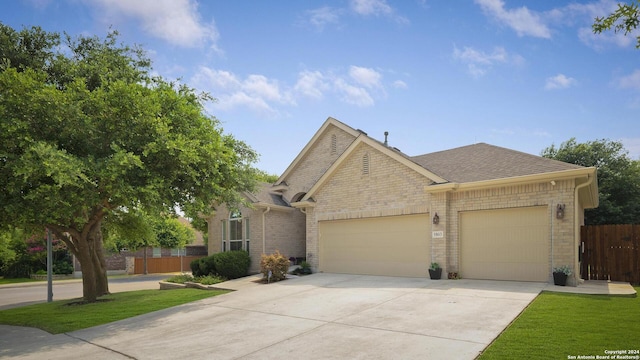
{"x":560,"y":275}
{"x":435,"y":271}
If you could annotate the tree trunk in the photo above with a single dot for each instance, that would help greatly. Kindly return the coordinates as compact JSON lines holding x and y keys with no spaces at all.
{"x":87,"y":246}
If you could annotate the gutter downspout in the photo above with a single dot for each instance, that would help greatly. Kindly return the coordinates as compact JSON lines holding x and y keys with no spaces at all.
{"x":264,"y":231}
{"x":576,"y":221}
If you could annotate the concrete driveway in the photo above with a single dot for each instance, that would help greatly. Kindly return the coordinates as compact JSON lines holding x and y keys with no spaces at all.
{"x":321,"y":316}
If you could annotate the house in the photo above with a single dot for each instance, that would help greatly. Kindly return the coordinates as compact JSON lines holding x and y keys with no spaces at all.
{"x":352,"y":204}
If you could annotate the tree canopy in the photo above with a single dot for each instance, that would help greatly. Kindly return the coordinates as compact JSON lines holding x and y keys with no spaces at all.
{"x":623,"y":19}
{"x":618,"y":178}
{"x":87,"y":133}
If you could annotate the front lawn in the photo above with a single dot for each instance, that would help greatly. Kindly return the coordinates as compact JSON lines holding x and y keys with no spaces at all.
{"x":64,"y":316}
{"x":560,"y":326}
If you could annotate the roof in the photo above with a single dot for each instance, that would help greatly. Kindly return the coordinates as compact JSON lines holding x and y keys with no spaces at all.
{"x":264,"y":195}
{"x":480,"y":162}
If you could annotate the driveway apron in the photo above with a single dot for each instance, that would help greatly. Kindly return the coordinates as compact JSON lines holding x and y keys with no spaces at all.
{"x":321,"y":316}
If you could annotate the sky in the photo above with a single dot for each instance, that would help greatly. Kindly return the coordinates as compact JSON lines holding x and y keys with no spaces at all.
{"x":435,"y":74}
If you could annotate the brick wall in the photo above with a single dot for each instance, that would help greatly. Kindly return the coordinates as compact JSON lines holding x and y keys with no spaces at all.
{"x":316,"y":161}
{"x":284,"y":231}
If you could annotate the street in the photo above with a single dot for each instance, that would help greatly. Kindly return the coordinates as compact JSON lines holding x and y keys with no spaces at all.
{"x":22,"y":294}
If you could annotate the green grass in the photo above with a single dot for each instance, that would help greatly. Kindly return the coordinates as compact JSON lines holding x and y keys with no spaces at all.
{"x":15,"y":281}
{"x":59,"y":316}
{"x":559,"y":325}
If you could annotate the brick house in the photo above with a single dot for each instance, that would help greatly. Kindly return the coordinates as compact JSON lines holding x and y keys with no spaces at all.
{"x":352,"y":204}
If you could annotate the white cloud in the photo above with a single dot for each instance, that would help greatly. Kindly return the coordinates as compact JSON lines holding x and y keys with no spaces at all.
{"x":471,"y":55}
{"x":175,"y":21}
{"x":359,"y":86}
{"x":256,"y":92}
{"x":311,"y":84}
{"x":631,"y":81}
{"x":399,"y":84}
{"x":479,"y":62}
{"x":323,"y":16}
{"x":524,"y":21}
{"x":353,"y":94}
{"x":365,"y":76}
{"x":559,"y":81}
{"x":376,"y":8}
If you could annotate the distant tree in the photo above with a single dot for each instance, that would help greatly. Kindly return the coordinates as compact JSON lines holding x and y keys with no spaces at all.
{"x":136,"y":229}
{"x":624,"y":19}
{"x":264,"y":176}
{"x":618,"y":178}
{"x":86,"y":133}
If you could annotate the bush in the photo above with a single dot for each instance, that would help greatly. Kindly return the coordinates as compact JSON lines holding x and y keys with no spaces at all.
{"x":62,"y":268}
{"x":180,"y":279}
{"x":195,"y":267}
{"x":304,"y":269}
{"x":209,"y":280}
{"x":275,"y":264}
{"x":208,"y":266}
{"x":232,"y":264}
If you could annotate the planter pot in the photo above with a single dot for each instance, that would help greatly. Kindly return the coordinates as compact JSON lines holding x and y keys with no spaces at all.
{"x":435,"y":274}
{"x":559,"y":278}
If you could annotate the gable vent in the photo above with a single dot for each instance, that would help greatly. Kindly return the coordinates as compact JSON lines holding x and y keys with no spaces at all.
{"x":365,"y":164}
{"x":334,"y":144}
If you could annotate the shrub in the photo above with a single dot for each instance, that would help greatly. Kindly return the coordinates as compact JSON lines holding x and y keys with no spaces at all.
{"x":62,"y":268}
{"x":195,"y":267}
{"x":276,"y":264}
{"x":207,"y":266}
{"x":209,"y":280}
{"x":232,"y":264}
{"x":180,"y":279}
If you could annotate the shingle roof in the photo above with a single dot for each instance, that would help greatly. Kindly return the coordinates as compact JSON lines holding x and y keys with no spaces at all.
{"x":264,"y":195}
{"x":482,"y":161}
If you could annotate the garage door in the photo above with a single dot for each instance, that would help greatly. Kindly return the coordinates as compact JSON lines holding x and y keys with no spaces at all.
{"x":508,"y":244}
{"x":393,"y":245}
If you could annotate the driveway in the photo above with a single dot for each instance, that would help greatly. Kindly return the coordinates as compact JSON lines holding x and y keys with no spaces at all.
{"x":321,"y":316}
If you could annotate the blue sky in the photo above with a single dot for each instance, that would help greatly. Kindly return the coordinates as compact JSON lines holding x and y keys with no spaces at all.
{"x":435,"y":74}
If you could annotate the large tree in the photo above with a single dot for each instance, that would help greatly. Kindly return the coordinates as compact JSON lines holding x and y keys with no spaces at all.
{"x":87,"y":133}
{"x":624,"y":19}
{"x":618,"y":178}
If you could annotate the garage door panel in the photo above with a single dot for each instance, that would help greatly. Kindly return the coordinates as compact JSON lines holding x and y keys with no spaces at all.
{"x":510,"y":244}
{"x":395,"y":245}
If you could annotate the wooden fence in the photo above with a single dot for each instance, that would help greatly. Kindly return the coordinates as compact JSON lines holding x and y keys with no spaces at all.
{"x":164,"y":264}
{"x":611,"y":252}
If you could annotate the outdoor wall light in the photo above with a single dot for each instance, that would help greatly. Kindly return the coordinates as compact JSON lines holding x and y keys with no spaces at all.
{"x":560,"y":211}
{"x":436,"y":219}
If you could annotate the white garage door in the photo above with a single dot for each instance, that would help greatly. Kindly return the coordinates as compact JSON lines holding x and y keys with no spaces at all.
{"x":510,"y":244}
{"x":393,"y":245}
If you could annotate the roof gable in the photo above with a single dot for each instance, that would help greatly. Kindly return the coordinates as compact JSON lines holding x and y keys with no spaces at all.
{"x":330,"y":122}
{"x":399,"y":157}
{"x":481,"y":162}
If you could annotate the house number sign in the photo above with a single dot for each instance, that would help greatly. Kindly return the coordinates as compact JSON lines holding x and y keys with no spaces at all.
{"x":437,"y":234}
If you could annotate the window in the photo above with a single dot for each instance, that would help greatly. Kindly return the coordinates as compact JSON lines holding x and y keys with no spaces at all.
{"x":246,"y":234}
{"x":235,"y":231}
{"x":223,"y":226}
{"x":157,"y":252}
